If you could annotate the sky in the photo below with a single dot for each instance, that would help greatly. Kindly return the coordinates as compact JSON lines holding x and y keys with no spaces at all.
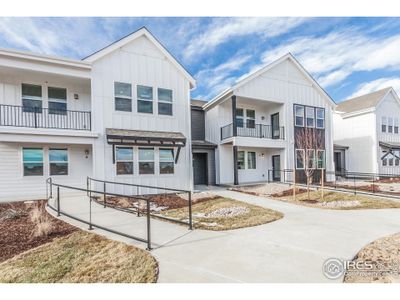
{"x":347,"y":56}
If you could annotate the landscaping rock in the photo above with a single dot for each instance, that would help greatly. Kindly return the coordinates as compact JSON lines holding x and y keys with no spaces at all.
{"x":10,"y":214}
{"x":341,"y":203}
{"x":228,"y":212}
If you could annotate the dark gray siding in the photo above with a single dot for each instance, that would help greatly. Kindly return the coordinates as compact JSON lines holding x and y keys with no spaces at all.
{"x":198,"y":124}
{"x":211,"y":163}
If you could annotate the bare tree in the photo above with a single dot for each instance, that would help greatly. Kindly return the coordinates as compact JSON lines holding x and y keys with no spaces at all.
{"x":309,"y":139}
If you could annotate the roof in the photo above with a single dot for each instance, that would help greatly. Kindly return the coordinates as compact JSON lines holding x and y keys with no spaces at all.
{"x":390,"y":145}
{"x":264,"y":69}
{"x":198,"y":103}
{"x":362,"y":102}
{"x":143,"y":31}
{"x":203,"y":144}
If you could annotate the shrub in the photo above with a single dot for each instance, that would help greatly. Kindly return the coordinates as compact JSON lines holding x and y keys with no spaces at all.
{"x":43,"y":224}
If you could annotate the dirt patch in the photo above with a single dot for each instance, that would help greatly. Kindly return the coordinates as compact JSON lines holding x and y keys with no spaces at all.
{"x":17,"y":230}
{"x":389,"y":180}
{"x":289,"y":192}
{"x":372,"y":188}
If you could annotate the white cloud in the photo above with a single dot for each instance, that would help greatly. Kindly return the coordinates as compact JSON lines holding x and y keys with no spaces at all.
{"x":222,"y":30}
{"x":377,"y":85}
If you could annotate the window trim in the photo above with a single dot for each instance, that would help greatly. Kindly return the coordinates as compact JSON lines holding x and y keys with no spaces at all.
{"x":242,"y":117}
{"x":313,"y":118}
{"x":244,"y":160}
{"x":172,"y":161}
{"x":295,"y":115}
{"x":249,"y":118}
{"x":384,"y":124}
{"x":63,"y":162}
{"x":323,"y":167}
{"x":125,"y":160}
{"x":23,"y":162}
{"x":255,"y":160}
{"x":56,"y":100}
{"x":390,"y":124}
{"x":303,"y":159}
{"x":148,"y":100}
{"x":141,"y":161}
{"x":313,"y":161}
{"x":395,"y":125}
{"x":32,"y":98}
{"x":316,"y":117}
{"x":122,"y":97}
{"x":165,"y":102}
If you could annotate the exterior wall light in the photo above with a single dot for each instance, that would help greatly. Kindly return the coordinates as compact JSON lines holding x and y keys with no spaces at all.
{"x":86,"y":153}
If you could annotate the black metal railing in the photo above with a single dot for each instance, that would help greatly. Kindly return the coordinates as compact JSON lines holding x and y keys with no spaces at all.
{"x":35,"y":117}
{"x":258,"y":131}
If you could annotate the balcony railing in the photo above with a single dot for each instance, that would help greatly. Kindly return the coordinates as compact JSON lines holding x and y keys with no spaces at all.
{"x":34,"y":117}
{"x":259,"y":131}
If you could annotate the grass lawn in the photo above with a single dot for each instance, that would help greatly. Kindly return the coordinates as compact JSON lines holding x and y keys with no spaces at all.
{"x":337,"y":200}
{"x":81,"y":257}
{"x":212,"y":214}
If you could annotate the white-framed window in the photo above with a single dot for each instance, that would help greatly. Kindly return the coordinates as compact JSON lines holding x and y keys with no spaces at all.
{"x":390,"y":161}
{"x":310,"y":117}
{"x":390,"y":125}
{"x":383,"y":124}
{"x":241,"y":160}
{"x":32,"y":159}
{"x":320,"y":114}
{"x":384,"y":162}
{"x":299,"y":115}
{"x":251,"y":160}
{"x":396,"y":125}
{"x":250,"y":118}
{"x":239,"y":117}
{"x":146,"y":160}
{"x":58,"y":160}
{"x":123,"y":96}
{"x":124,"y":160}
{"x":396,"y":162}
{"x":144,"y":99}
{"x":300,"y":158}
{"x":311,"y":158}
{"x":57,"y":100}
{"x":164,"y":102}
{"x":320,"y":159}
{"x":167,"y":162}
{"x":31,"y":98}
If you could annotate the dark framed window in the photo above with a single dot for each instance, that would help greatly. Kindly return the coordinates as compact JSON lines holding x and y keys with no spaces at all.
{"x":310,"y":117}
{"x":146,"y":160}
{"x":144,"y":99}
{"x":240,"y":160}
{"x":320,"y":159}
{"x":32,"y":161}
{"x":397,"y":162}
{"x":164,"y":102}
{"x":123,"y":96}
{"x":251,"y":160}
{"x":299,"y":115}
{"x":58,"y":159}
{"x":311,"y":159}
{"x":390,"y":125}
{"x":320,"y":114}
{"x":300,"y":158}
{"x":166,"y":161}
{"x":124,"y":160}
{"x":390,"y":161}
{"x":383,"y":124}
{"x":57,"y":100}
{"x":384,"y":162}
{"x":250,"y":118}
{"x":396,"y":125}
{"x":31,"y":98}
{"x":239,"y":117}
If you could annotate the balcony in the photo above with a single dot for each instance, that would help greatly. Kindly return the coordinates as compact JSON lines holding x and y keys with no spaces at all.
{"x":34,"y":117}
{"x":259,"y":131}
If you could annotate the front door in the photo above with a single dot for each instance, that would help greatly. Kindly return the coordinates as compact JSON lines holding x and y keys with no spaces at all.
{"x":338,"y":163}
{"x":275,"y":126}
{"x":276,"y":168}
{"x":200,"y":168}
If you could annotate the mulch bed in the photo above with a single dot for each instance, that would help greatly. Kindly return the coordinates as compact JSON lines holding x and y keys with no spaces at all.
{"x":389,"y":180}
{"x":16,"y":234}
{"x":289,"y":192}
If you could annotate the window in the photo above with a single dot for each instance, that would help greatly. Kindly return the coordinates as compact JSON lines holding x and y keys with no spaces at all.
{"x":145,"y":99}
{"x":299,"y":158}
{"x":311,"y":159}
{"x":390,"y":161}
{"x":250,"y":118}
{"x":124,"y":160}
{"x":397,"y":162}
{"x":164,"y":102}
{"x":239,"y":117}
{"x":146,"y":160}
{"x":390,"y":125}
{"x":58,"y":159}
{"x":251,"y":160}
{"x":384,"y":162}
{"x":320,"y":112}
{"x":240,"y":160}
{"x":123,"y":96}
{"x":166,"y":161}
{"x":57,"y":100}
{"x":396,"y":125}
{"x":33,"y":161}
{"x":321,"y":159}
{"x":31,"y":98}
{"x":310,"y":117}
{"x":384,"y":124}
{"x":299,"y":115}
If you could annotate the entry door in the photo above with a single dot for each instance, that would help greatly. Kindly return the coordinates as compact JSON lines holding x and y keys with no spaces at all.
{"x":275,"y":125}
{"x":338,"y":163}
{"x":276,"y":168}
{"x":200,"y":168}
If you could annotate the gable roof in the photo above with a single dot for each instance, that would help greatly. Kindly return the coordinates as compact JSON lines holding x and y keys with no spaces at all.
{"x":264,"y":69}
{"x":363,"y":102}
{"x":143,"y":31}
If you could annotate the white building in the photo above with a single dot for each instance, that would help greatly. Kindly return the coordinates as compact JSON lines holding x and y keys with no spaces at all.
{"x":121,"y":114}
{"x":254,"y":124}
{"x":366,"y":133}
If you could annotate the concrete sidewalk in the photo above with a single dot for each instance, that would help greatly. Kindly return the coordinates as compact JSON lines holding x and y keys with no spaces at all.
{"x":292,"y":249}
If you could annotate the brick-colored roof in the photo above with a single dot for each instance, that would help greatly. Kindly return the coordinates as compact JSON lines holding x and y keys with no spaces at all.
{"x":362,"y":102}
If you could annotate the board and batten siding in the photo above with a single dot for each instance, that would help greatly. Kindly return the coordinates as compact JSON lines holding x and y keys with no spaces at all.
{"x":140,"y":63}
{"x":197,"y":124}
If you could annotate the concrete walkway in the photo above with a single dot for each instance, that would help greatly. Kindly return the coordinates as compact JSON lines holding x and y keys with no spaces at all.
{"x":292,"y":249}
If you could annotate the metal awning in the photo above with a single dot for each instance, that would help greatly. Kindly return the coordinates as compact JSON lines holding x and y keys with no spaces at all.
{"x":145,"y":138}
{"x":202,"y":144}
{"x":390,"y":147}
{"x":340,"y":147}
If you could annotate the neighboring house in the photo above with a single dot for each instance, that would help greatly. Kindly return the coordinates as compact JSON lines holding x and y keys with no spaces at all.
{"x":366,"y":135}
{"x":254,"y":124}
{"x":203,"y":151}
{"x":121,"y":114}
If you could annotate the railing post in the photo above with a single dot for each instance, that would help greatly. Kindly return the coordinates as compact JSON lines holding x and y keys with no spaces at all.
{"x":87,"y":185}
{"x":51,"y":187}
{"x":373,"y":184}
{"x":90,"y":214}
{"x":58,"y":202}
{"x":190,"y":211}
{"x":355,"y":190}
{"x":104,"y":195}
{"x":148,"y":226}
{"x":35,"y":116}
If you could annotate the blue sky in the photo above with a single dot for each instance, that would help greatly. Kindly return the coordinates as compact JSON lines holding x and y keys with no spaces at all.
{"x":347,"y":56}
